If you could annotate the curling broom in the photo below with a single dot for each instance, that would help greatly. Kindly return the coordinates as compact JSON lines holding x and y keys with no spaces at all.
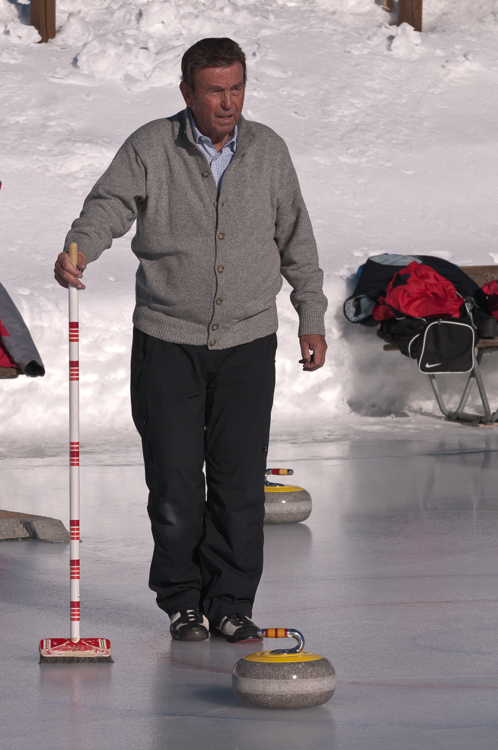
{"x":74,"y":649}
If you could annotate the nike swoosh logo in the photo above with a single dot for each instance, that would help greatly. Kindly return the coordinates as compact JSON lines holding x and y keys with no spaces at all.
{"x":436,"y":365}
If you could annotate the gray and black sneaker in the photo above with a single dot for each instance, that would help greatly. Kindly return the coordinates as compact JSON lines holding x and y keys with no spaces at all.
{"x":189,"y":625}
{"x":236,"y":629}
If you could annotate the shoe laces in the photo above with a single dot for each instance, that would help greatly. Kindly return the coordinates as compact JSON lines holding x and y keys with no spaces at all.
{"x":192,"y":615}
{"x":238,"y":620}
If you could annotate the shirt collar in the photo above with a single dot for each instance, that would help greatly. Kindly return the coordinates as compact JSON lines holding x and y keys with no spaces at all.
{"x":205,"y":140}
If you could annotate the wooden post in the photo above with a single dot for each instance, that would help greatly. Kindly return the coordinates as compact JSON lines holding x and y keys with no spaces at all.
{"x":42,"y":17}
{"x":387,"y":5}
{"x":410,"y":11}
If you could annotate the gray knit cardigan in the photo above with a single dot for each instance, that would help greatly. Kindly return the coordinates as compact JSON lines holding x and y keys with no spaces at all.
{"x":210,"y":265}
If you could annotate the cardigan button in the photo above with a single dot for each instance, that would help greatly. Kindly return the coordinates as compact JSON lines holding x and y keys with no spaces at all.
{"x":220,"y":269}
{"x":212,"y":342}
{"x":214,"y":327}
{"x":221,"y":236}
{"x":219,"y":301}
{"x":205,"y":173}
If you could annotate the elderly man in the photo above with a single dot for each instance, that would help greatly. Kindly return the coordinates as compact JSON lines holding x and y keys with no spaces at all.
{"x":220,"y":218}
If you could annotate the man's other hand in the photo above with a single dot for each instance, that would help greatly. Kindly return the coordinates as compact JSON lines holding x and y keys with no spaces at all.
{"x":313,"y":348}
{"x":65,"y":273}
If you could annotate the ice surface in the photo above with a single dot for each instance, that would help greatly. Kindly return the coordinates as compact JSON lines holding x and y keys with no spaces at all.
{"x":393,"y":578}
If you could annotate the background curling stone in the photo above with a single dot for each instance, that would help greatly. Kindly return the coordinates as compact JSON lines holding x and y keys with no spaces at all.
{"x":283,"y":679}
{"x":285,"y":503}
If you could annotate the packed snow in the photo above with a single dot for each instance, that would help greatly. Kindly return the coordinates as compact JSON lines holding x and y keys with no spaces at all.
{"x":393,"y":134}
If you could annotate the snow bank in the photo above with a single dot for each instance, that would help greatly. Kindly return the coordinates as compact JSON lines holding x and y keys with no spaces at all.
{"x":140,"y":43}
{"x":345,"y":6}
{"x":393,"y":135}
{"x":406,"y":43}
{"x":447,"y":14}
{"x":13,"y":29}
{"x":359,"y":379}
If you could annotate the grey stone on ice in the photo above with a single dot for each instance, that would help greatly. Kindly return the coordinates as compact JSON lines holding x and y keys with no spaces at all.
{"x":12,"y":528}
{"x":15,"y":525}
{"x":47,"y":530}
{"x":284,"y":684}
{"x":287,"y":507}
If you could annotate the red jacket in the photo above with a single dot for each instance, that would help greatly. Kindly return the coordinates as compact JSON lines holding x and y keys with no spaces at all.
{"x":419,"y":292}
{"x":5,"y":360}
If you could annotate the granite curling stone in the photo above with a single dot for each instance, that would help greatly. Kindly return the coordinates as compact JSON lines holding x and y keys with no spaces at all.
{"x":283,"y":678}
{"x":285,"y":503}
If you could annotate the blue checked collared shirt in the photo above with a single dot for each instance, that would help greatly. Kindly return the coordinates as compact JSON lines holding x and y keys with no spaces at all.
{"x":218,"y":160}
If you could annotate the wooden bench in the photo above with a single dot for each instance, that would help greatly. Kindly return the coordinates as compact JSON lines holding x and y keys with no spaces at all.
{"x":480,"y":274}
{"x":9,"y":372}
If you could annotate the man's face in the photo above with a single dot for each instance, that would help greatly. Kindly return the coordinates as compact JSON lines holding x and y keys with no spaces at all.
{"x":216,"y":101}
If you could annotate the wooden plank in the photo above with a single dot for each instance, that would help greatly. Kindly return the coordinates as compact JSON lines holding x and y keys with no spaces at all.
{"x":42,"y":17}
{"x":410,"y":11}
{"x":487,"y":344}
{"x":481,"y":274}
{"x":50,"y":16}
{"x":9,"y":372}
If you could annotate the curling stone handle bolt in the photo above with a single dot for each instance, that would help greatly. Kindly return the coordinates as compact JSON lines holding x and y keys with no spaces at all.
{"x":284,"y":633}
{"x":280,"y":472}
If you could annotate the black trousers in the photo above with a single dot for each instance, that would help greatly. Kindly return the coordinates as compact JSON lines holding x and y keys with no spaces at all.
{"x":193,"y":406}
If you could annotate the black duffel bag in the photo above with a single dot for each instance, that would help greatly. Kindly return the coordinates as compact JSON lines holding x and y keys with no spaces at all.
{"x":441,"y":345}
{"x":447,"y":346}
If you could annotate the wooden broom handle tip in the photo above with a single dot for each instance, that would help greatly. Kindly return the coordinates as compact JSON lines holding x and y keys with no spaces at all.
{"x":73,"y":253}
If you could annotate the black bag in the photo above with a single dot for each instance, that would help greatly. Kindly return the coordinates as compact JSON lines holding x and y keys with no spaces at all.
{"x":447,"y":347}
{"x":405,"y":333}
{"x":441,"y":345}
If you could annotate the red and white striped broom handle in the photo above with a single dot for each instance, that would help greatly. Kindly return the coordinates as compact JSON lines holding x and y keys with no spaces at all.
{"x":74,"y":452}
